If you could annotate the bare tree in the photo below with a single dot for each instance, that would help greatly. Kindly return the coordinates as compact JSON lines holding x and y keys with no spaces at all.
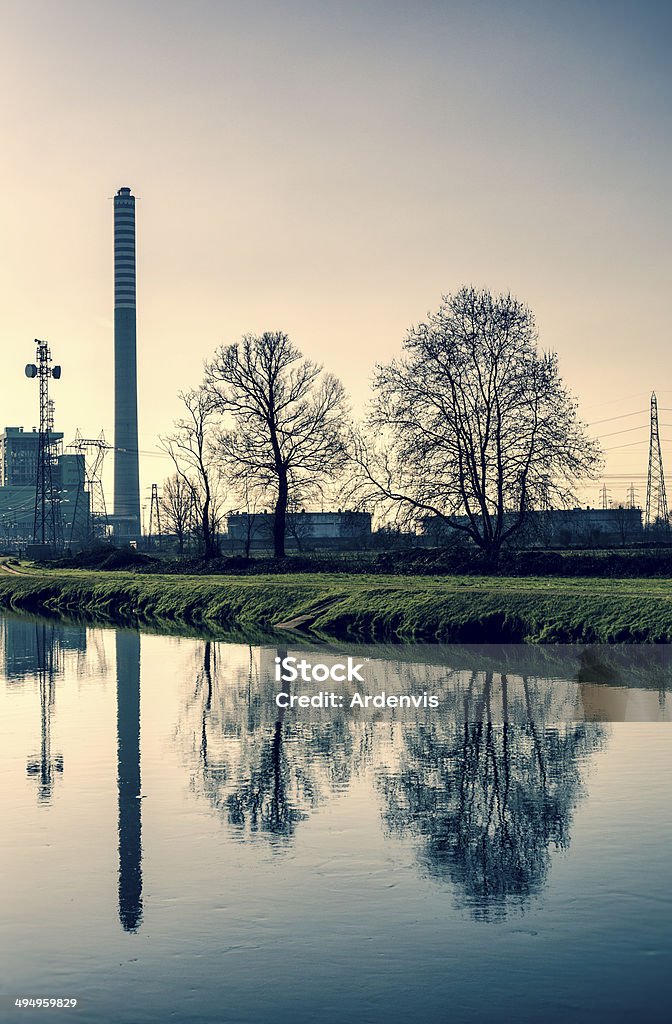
{"x":177,"y":507}
{"x":287,"y":419}
{"x":474,"y":424}
{"x":191,"y":448}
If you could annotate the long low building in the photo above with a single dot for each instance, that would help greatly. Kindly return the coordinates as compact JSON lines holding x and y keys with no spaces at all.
{"x":305,"y":530}
{"x":560,"y":528}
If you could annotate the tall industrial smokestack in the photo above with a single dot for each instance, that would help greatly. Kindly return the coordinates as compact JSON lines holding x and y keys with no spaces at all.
{"x":126,"y":473}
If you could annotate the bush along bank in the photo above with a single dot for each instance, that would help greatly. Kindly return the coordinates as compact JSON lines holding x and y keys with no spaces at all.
{"x":645,"y":563}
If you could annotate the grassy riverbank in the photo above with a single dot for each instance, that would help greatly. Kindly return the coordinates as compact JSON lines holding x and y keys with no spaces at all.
{"x":452,"y":609}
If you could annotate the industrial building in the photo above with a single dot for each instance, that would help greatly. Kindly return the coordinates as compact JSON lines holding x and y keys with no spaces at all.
{"x":126,"y":518}
{"x":18,"y":455}
{"x":559,"y":528}
{"x":18,"y":477}
{"x":306,"y":531}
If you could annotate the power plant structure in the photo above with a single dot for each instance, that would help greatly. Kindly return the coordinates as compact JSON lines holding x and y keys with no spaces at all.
{"x":51,"y":501}
{"x":126,"y":517}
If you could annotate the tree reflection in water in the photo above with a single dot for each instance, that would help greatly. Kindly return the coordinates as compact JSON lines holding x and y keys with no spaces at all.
{"x":490,"y":801}
{"x":265,"y":770}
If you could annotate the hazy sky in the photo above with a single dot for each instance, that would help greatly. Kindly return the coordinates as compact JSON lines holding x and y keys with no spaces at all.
{"x":329,"y":169}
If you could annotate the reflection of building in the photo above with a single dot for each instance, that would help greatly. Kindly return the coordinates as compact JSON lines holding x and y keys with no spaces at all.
{"x":25,"y":644}
{"x":20,"y":653}
{"x":128,"y":779}
{"x":573,"y":527}
{"x":18,"y":480}
{"x":304,"y":529}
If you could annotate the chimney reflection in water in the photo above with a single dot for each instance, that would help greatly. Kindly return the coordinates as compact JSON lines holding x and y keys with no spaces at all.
{"x":128,"y":776}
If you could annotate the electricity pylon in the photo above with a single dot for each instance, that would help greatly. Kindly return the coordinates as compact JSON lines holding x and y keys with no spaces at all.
{"x":656,"y":498}
{"x":154,"y":515}
{"x":94,"y":450}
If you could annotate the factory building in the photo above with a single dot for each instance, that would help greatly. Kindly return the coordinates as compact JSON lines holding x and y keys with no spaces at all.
{"x":306,"y":531}
{"x":18,"y":456}
{"x":27,"y":647}
{"x":18,"y":476}
{"x":559,"y":528}
{"x":126,"y":519}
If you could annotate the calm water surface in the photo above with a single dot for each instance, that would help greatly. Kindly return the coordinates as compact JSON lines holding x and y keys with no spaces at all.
{"x":175,"y":848}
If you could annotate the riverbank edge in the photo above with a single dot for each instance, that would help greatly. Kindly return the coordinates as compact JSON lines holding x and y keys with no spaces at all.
{"x":361,"y":608}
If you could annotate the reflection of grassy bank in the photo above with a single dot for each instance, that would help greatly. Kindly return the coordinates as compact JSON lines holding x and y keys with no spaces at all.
{"x":455,"y":609}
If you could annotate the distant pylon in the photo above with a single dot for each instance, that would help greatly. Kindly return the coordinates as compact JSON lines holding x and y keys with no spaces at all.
{"x":154,"y":515}
{"x":631,"y":496}
{"x":656,"y":498}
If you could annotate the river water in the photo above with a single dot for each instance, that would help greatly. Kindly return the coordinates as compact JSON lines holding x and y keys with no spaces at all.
{"x":176,"y":846}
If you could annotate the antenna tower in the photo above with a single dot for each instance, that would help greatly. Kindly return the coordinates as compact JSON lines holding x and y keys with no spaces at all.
{"x":47,"y":520}
{"x":656,"y":498}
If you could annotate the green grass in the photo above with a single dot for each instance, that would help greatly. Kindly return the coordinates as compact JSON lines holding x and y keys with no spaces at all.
{"x":453,"y":609}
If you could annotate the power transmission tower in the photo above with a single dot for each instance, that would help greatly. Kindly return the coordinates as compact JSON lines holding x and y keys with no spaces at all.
{"x":154,"y":512}
{"x":47,"y":519}
{"x":94,"y":450}
{"x":656,"y":498}
{"x":604,"y":496}
{"x":631,"y":496}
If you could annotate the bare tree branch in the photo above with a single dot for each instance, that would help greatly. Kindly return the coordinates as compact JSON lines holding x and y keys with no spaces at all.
{"x":190,"y":447}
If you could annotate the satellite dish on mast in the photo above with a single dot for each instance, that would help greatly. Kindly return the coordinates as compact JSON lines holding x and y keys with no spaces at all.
{"x":56,"y":373}
{"x":31,"y":370}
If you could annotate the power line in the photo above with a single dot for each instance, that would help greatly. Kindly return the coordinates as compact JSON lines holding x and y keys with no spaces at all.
{"x":613,"y":401}
{"x":631,"y":444}
{"x":622,"y":416}
{"x":625,"y":430}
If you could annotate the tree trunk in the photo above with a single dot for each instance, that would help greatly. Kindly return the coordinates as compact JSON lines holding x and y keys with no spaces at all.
{"x":209,"y":545}
{"x":492,"y":552}
{"x":280,"y":517}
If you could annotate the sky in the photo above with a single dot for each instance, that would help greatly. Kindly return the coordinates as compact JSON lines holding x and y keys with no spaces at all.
{"x":330,"y":170}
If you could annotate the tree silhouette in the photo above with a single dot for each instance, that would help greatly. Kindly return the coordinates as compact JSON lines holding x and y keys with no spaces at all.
{"x":473,"y":425}
{"x":287,"y":420}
